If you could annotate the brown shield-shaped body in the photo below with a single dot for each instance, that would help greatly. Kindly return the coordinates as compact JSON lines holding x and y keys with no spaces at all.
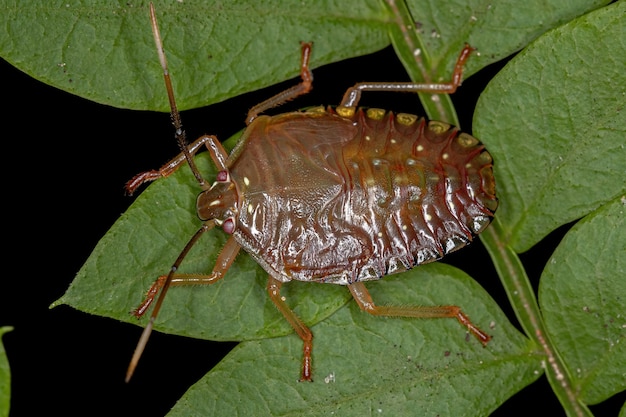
{"x":341,"y":199}
{"x":334,"y":196}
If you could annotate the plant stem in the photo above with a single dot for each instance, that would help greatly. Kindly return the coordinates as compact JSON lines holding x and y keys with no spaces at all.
{"x":414,"y":56}
{"x":522,"y":298}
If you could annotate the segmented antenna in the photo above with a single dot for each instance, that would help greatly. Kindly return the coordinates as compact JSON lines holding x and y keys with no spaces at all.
{"x":181,"y":136}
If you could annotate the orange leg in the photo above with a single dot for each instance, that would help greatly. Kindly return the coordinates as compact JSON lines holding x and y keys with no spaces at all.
{"x":352,"y":97}
{"x":304,"y":87}
{"x":223,"y":263}
{"x":364,"y":300}
{"x":273,"y":288}
{"x":224,"y":260}
{"x":217,"y":152}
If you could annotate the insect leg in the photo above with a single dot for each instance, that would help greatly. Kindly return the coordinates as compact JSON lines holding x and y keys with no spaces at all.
{"x":273,"y":288}
{"x":223,"y":263}
{"x":297,"y":90}
{"x":217,"y":152}
{"x":352,"y":97}
{"x":364,"y":300}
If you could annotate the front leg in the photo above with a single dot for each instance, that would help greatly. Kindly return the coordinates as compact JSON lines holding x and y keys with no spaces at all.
{"x":216,"y":150}
{"x":224,"y":261}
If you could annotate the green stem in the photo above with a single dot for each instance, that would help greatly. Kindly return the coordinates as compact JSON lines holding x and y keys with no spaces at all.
{"x":416,"y":60}
{"x":522,"y":298}
{"x":5,"y":376}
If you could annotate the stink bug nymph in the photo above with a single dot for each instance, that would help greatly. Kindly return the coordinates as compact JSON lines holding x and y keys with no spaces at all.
{"x":382,"y":193}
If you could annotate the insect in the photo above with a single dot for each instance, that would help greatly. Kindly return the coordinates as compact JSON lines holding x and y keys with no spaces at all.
{"x":334,"y":195}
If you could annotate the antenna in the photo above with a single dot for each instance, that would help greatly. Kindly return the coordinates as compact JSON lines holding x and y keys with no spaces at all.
{"x":181,"y":136}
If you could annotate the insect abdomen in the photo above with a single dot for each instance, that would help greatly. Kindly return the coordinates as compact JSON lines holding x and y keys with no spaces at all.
{"x":359,"y":197}
{"x":429,"y":189}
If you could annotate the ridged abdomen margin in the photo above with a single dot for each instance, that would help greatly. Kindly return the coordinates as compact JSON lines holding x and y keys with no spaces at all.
{"x":412,"y":179}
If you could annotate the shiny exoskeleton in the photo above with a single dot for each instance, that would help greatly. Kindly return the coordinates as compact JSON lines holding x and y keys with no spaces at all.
{"x":336,"y":195}
{"x":340,"y":199}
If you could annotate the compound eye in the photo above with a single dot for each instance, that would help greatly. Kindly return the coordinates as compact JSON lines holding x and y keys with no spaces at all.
{"x":229,"y":225}
{"x":223,"y":176}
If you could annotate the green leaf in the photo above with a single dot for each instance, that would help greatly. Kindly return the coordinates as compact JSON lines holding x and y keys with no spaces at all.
{"x":496,"y":29}
{"x":219,"y":50}
{"x":582,"y":295}
{"x":553,"y":119}
{"x":5,"y":377}
{"x":104,"y":51}
{"x":367,"y":365}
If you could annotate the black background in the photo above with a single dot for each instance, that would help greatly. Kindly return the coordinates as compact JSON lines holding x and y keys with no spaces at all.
{"x":65,"y":161}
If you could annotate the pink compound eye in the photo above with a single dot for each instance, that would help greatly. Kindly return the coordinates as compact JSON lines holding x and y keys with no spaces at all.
{"x":229,"y":226}
{"x":222,"y":176}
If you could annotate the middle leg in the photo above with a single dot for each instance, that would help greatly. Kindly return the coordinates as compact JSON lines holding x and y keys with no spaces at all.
{"x":273,"y":288}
